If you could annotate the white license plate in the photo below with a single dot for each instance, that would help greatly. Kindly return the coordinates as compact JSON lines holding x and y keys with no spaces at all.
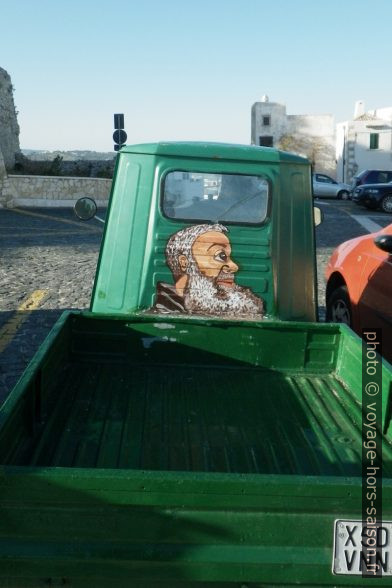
{"x":349,"y":556}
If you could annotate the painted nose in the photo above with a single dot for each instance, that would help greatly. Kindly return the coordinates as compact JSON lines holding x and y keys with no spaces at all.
{"x":232,"y":267}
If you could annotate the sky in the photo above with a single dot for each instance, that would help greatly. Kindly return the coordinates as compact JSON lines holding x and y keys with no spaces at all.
{"x":190,"y":69}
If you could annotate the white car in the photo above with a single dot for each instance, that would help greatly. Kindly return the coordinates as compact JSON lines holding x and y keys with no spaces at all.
{"x":326,"y":187}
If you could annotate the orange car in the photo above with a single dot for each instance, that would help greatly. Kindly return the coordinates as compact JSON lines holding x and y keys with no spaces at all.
{"x":359,"y":285}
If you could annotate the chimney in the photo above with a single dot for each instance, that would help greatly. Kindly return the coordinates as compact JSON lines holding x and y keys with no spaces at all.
{"x":359,"y":108}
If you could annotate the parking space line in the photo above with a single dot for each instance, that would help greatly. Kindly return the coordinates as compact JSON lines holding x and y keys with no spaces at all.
{"x":366,"y":222}
{"x":9,"y":330}
{"x":57,"y":219}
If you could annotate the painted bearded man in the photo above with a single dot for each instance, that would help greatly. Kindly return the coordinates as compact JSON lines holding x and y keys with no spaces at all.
{"x":203,"y":272}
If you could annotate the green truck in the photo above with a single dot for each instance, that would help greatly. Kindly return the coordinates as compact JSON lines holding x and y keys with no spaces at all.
{"x":197,"y":426}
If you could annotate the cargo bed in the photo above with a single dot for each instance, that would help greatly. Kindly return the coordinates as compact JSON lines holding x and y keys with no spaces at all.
{"x":186,"y":449}
{"x":201,"y":419}
{"x":153,"y":395}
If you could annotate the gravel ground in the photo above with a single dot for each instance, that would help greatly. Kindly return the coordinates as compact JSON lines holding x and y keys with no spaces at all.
{"x":41,"y":252}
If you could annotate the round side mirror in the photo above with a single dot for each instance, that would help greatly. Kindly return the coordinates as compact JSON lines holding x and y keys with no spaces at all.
{"x":85,"y":208}
{"x":384,"y":242}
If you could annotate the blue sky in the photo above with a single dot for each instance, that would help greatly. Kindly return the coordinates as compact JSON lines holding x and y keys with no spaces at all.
{"x":187,"y":69}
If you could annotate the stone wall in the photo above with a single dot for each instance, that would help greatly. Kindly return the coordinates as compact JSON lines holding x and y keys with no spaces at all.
{"x":312,"y":136}
{"x":3,"y":171}
{"x":9,"y":128}
{"x":20,"y":190}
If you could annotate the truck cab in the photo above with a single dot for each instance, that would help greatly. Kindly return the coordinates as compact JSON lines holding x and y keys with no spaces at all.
{"x":167,"y":196}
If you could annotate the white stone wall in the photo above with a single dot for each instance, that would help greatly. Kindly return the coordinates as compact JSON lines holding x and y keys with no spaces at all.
{"x":312,"y":136}
{"x":21,"y":190}
{"x":366,"y":158}
{"x":384,"y":113}
{"x":353,"y":151}
{"x":278,"y":117}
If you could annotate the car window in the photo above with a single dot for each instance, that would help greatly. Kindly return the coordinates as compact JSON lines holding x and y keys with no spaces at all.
{"x":215,"y":197}
{"x":383,"y":177}
{"x":361,"y":174}
{"x":372,"y":177}
{"x":324,"y":179}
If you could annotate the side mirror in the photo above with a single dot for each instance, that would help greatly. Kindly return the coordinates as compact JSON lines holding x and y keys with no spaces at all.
{"x":318,"y":216}
{"x":85,"y":208}
{"x":384,"y":242}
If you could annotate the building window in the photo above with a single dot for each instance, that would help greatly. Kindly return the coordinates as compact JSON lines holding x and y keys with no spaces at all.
{"x":266,"y":120}
{"x":266,"y":141}
{"x":374,"y":140}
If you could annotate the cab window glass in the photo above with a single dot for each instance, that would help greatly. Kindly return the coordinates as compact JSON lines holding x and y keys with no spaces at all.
{"x":215,"y":197}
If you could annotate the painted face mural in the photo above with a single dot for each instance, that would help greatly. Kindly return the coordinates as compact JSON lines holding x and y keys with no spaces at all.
{"x":204,"y":276}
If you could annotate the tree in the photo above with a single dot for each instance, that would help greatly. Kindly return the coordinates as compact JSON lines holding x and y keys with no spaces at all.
{"x":314,"y":148}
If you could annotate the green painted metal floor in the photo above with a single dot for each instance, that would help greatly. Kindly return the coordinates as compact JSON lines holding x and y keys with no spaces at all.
{"x":200,"y":419}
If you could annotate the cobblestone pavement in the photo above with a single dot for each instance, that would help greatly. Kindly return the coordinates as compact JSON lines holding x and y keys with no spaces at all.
{"x":50,"y":250}
{"x":42,"y":250}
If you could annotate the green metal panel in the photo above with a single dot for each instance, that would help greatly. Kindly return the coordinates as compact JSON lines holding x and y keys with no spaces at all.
{"x":124,"y":528}
{"x":132,"y":259}
{"x":250,"y":245}
{"x":294,"y":246}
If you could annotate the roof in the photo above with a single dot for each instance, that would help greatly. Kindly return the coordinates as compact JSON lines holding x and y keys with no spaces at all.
{"x":366,"y":116}
{"x":214,"y":151}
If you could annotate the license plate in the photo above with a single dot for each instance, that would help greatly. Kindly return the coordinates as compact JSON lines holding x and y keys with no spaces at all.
{"x":349,"y":554}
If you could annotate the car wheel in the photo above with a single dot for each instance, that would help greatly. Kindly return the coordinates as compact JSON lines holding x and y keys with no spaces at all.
{"x":386,"y":203}
{"x":339,"y":307}
{"x":343,"y":195}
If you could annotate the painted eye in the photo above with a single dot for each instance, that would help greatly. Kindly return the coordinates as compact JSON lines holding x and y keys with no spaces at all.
{"x":220,"y":256}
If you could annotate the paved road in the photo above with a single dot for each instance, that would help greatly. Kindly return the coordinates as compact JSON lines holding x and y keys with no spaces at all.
{"x":40,"y":250}
{"x":48,"y":261}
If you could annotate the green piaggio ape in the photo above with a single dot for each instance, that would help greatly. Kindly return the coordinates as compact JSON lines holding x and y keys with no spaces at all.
{"x":198,"y":427}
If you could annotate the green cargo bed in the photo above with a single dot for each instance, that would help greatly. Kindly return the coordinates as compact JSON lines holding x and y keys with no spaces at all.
{"x":188,"y":450}
{"x":201,"y":419}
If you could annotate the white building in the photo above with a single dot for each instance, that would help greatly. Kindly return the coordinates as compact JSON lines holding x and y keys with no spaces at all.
{"x":364,"y":142}
{"x":310,"y":135}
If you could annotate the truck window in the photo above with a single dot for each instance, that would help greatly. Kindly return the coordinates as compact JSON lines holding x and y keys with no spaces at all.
{"x":231,"y":198}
